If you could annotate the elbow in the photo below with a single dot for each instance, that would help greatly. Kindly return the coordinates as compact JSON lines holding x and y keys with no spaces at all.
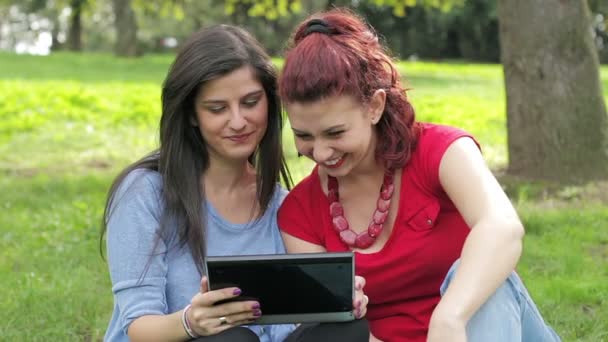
{"x":509,"y":231}
{"x":510,"y":226}
{"x":514,"y":235}
{"x":512,"y":230}
{"x":517,"y":230}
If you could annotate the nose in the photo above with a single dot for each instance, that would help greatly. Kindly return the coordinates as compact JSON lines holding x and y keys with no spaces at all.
{"x":321,"y":151}
{"x":237,"y":121}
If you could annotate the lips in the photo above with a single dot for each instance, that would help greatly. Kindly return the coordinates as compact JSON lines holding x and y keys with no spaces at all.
{"x":336,"y":165}
{"x":239,"y":137}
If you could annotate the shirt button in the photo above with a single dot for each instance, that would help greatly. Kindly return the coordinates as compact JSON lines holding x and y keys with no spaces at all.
{"x":429,"y":222}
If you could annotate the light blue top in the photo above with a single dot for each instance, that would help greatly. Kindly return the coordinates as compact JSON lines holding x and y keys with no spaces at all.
{"x":171,"y":279}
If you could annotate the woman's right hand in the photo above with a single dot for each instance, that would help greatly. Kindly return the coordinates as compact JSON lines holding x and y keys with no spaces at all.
{"x":208,"y":319}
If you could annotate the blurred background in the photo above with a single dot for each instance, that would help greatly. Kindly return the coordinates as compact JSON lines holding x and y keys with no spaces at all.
{"x":425,"y":29}
{"x":80,"y":88}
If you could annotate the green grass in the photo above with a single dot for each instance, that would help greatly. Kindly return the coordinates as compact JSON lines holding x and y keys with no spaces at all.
{"x":69,"y":122}
{"x":565,"y":267}
{"x":54,"y":284}
{"x":469,"y":96}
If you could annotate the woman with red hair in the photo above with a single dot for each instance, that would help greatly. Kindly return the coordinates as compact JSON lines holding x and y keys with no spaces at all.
{"x":433,"y":232}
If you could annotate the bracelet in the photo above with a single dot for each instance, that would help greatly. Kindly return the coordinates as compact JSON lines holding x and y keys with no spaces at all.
{"x":186,"y":323}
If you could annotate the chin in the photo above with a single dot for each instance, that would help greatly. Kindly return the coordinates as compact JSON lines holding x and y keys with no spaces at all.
{"x":338,"y":172}
{"x":241,"y":154}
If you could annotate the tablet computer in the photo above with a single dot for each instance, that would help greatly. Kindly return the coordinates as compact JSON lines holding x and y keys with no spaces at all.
{"x":291,"y":288}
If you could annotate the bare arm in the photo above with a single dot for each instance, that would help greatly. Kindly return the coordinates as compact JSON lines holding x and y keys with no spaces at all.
{"x":203,"y":317}
{"x":158,"y":328}
{"x":296,"y":245}
{"x":494,"y":244}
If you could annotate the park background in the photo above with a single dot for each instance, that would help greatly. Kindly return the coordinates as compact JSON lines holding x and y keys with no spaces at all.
{"x":78,"y":102}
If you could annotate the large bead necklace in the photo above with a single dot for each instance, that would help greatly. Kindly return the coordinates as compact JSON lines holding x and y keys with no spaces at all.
{"x":340,"y":224}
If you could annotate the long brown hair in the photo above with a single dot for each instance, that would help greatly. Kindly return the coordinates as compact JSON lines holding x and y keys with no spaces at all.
{"x":183,"y":155}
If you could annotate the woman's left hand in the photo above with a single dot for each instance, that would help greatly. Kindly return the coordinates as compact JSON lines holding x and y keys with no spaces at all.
{"x":361,"y":300}
{"x":446,"y":328}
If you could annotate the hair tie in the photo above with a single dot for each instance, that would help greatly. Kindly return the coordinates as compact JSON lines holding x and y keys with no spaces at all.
{"x":318,"y":26}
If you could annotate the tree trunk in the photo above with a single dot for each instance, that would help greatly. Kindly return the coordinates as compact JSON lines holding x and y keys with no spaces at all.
{"x":55,"y":43}
{"x":126,"y":29}
{"x":556,"y":115}
{"x":75,"y":30}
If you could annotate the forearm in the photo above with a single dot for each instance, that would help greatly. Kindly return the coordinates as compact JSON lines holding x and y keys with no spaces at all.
{"x":489,"y":255}
{"x":158,"y":328}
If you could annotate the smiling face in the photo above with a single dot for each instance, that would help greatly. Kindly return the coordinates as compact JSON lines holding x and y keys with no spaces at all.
{"x":232,"y":114}
{"x":337,"y":132}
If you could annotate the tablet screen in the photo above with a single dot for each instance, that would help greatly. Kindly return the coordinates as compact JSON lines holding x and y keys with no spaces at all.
{"x":288,"y":284}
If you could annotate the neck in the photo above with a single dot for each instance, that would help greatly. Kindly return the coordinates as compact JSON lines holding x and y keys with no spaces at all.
{"x":232,"y":185}
{"x":368,"y":171}
{"x":228,"y":177}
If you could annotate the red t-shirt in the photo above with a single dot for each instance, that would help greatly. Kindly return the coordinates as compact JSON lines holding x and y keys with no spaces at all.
{"x":404,"y":277}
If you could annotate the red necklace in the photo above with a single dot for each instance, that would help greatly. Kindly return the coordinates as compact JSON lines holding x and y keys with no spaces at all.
{"x":340,"y":224}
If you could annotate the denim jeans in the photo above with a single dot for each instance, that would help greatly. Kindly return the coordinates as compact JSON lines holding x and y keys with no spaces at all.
{"x":508,"y":315}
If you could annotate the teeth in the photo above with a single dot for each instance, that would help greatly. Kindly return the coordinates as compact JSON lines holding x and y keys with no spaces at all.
{"x":332,"y":162}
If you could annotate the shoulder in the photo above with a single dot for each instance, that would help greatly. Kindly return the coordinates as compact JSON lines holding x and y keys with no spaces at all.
{"x":437,"y":134}
{"x":279,"y":195}
{"x":434,"y":139}
{"x":303,"y":196}
{"x":307,"y":188}
{"x":141,"y":179}
{"x":433,"y":142}
{"x":140,"y":186}
{"x":135,"y":209}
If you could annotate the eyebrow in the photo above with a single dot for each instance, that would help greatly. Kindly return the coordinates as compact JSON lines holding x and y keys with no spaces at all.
{"x":332,"y":128}
{"x":253,"y":93}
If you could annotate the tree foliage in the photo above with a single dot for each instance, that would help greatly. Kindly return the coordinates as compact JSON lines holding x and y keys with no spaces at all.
{"x":270,"y":9}
{"x":399,"y":6}
{"x":274,"y":9}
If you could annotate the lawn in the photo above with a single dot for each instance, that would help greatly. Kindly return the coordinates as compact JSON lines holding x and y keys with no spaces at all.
{"x":69,"y":122}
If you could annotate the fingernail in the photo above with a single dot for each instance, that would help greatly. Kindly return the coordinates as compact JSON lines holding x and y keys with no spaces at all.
{"x":257,"y":313}
{"x":236,"y":292}
{"x":255,"y":306}
{"x":358,"y":313}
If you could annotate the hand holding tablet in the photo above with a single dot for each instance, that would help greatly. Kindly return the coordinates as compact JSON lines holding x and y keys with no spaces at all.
{"x":292,"y":288}
{"x":204,"y":317}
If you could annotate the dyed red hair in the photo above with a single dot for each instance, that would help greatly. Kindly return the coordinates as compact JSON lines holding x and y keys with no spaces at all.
{"x":348,"y":59}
